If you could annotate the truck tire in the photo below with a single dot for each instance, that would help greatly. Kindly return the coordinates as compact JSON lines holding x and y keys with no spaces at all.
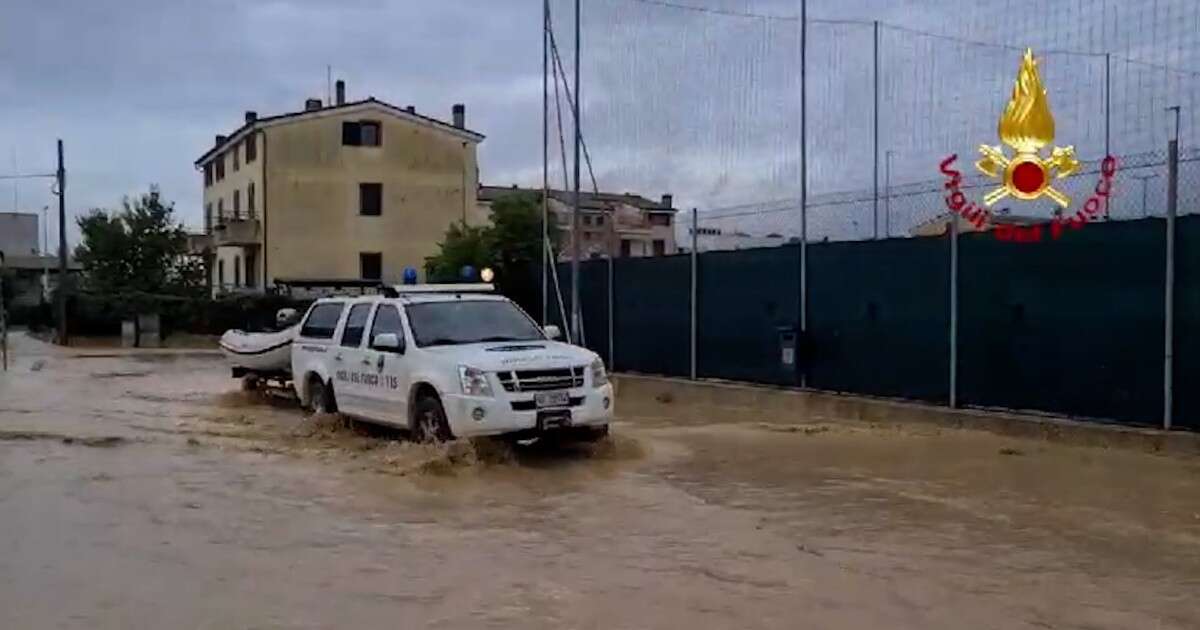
{"x":320,"y":396}
{"x":429,"y":421}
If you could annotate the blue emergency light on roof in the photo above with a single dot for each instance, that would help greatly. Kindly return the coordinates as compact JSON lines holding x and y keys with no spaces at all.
{"x":410,"y":275}
{"x":468,"y":273}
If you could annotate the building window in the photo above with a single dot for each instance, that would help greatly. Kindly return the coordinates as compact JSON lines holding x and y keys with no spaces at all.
{"x":208,"y":174}
{"x":370,"y":199}
{"x":237,"y":271}
{"x":251,"y":148}
{"x":208,"y":217}
{"x":220,"y":210}
{"x":371,"y":266}
{"x":660,"y":219}
{"x":250,"y":199}
{"x":362,"y":133}
{"x":600,"y":220}
{"x":237,"y":202}
{"x":587,"y":220}
{"x":236,"y":165}
{"x":626,"y":246}
{"x":250,"y":273}
{"x":220,"y":167}
{"x":372,"y":135}
{"x":221,"y":272}
{"x":660,"y":247}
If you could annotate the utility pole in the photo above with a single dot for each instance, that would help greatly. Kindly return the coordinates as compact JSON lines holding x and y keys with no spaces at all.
{"x":576,"y":320}
{"x":60,"y":296}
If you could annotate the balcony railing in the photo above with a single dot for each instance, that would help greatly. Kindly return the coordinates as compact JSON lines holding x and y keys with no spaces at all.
{"x":237,"y":228}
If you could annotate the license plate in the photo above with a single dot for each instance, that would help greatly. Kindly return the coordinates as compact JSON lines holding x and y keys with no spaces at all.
{"x":554,"y":419}
{"x":551,"y":399}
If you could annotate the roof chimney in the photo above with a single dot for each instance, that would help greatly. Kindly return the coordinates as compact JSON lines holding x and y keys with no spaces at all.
{"x":251,"y":116}
{"x":668,"y":199}
{"x":339,"y":89}
{"x":219,"y":140}
{"x":411,"y":109}
{"x":460,"y":115}
{"x":312,"y":104}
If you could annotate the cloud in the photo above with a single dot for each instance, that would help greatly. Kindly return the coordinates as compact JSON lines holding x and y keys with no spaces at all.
{"x":701,"y":105}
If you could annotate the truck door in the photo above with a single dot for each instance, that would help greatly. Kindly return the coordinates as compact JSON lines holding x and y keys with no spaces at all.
{"x":349,"y":363}
{"x":386,"y":398}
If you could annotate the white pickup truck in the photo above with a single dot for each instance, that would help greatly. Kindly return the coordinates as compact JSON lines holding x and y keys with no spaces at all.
{"x":446,"y":362}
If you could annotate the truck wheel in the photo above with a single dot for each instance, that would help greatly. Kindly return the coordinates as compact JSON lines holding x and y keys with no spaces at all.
{"x":429,"y":421}
{"x":320,"y":397}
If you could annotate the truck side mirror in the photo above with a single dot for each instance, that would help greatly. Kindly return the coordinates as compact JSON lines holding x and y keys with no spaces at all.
{"x":552,"y":331}
{"x":388,"y":342}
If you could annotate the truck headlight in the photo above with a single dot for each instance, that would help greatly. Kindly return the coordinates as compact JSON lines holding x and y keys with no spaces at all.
{"x":474,"y":381}
{"x":599,"y":374}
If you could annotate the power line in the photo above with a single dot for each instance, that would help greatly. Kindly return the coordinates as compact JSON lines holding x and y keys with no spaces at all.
{"x":961,"y":40}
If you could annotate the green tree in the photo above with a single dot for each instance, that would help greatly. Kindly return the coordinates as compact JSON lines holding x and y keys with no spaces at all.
{"x":511,"y":245}
{"x":138,"y":249}
{"x":463,"y":245}
{"x":517,"y":235}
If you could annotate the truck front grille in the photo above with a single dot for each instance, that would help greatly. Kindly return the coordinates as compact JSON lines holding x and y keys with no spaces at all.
{"x":541,"y":380}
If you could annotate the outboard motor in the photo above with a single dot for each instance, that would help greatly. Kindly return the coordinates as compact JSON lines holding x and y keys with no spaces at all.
{"x":286,"y":317}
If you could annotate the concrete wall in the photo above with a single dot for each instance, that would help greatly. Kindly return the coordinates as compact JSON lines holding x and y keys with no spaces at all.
{"x":313,"y":225}
{"x":655,"y":400}
{"x":18,"y":234}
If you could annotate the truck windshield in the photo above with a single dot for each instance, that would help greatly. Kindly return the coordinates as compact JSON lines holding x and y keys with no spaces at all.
{"x":459,"y":322}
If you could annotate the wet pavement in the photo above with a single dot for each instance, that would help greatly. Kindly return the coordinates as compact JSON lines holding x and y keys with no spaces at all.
{"x":142,"y":489}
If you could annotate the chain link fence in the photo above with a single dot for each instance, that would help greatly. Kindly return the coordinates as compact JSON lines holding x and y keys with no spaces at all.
{"x":704,"y":101}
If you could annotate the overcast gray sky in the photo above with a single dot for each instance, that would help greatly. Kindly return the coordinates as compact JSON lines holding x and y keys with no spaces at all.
{"x":699,"y":105}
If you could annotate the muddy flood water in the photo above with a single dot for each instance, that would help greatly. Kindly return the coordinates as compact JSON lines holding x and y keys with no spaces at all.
{"x":145,"y":490}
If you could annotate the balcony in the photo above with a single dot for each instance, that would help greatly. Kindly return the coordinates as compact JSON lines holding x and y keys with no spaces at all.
{"x":237,"y":229}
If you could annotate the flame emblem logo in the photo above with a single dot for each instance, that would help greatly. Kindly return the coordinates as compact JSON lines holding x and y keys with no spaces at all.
{"x":1027,"y":126}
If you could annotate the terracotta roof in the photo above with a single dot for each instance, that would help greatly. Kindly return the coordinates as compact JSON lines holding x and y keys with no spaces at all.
{"x":587,"y":200}
{"x":237,"y":134}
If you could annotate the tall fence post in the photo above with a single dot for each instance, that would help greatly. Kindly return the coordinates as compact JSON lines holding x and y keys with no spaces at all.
{"x":545,"y":158}
{"x":803,"y":298}
{"x":612,"y":292}
{"x":875,"y":133}
{"x":1107,"y":117}
{"x":953,"y":311}
{"x":695,"y":271}
{"x":1169,"y":292}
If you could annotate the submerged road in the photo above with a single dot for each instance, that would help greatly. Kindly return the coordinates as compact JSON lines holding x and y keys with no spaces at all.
{"x":144,"y":489}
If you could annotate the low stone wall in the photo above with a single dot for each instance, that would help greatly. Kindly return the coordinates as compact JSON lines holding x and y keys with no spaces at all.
{"x":701,"y":402}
